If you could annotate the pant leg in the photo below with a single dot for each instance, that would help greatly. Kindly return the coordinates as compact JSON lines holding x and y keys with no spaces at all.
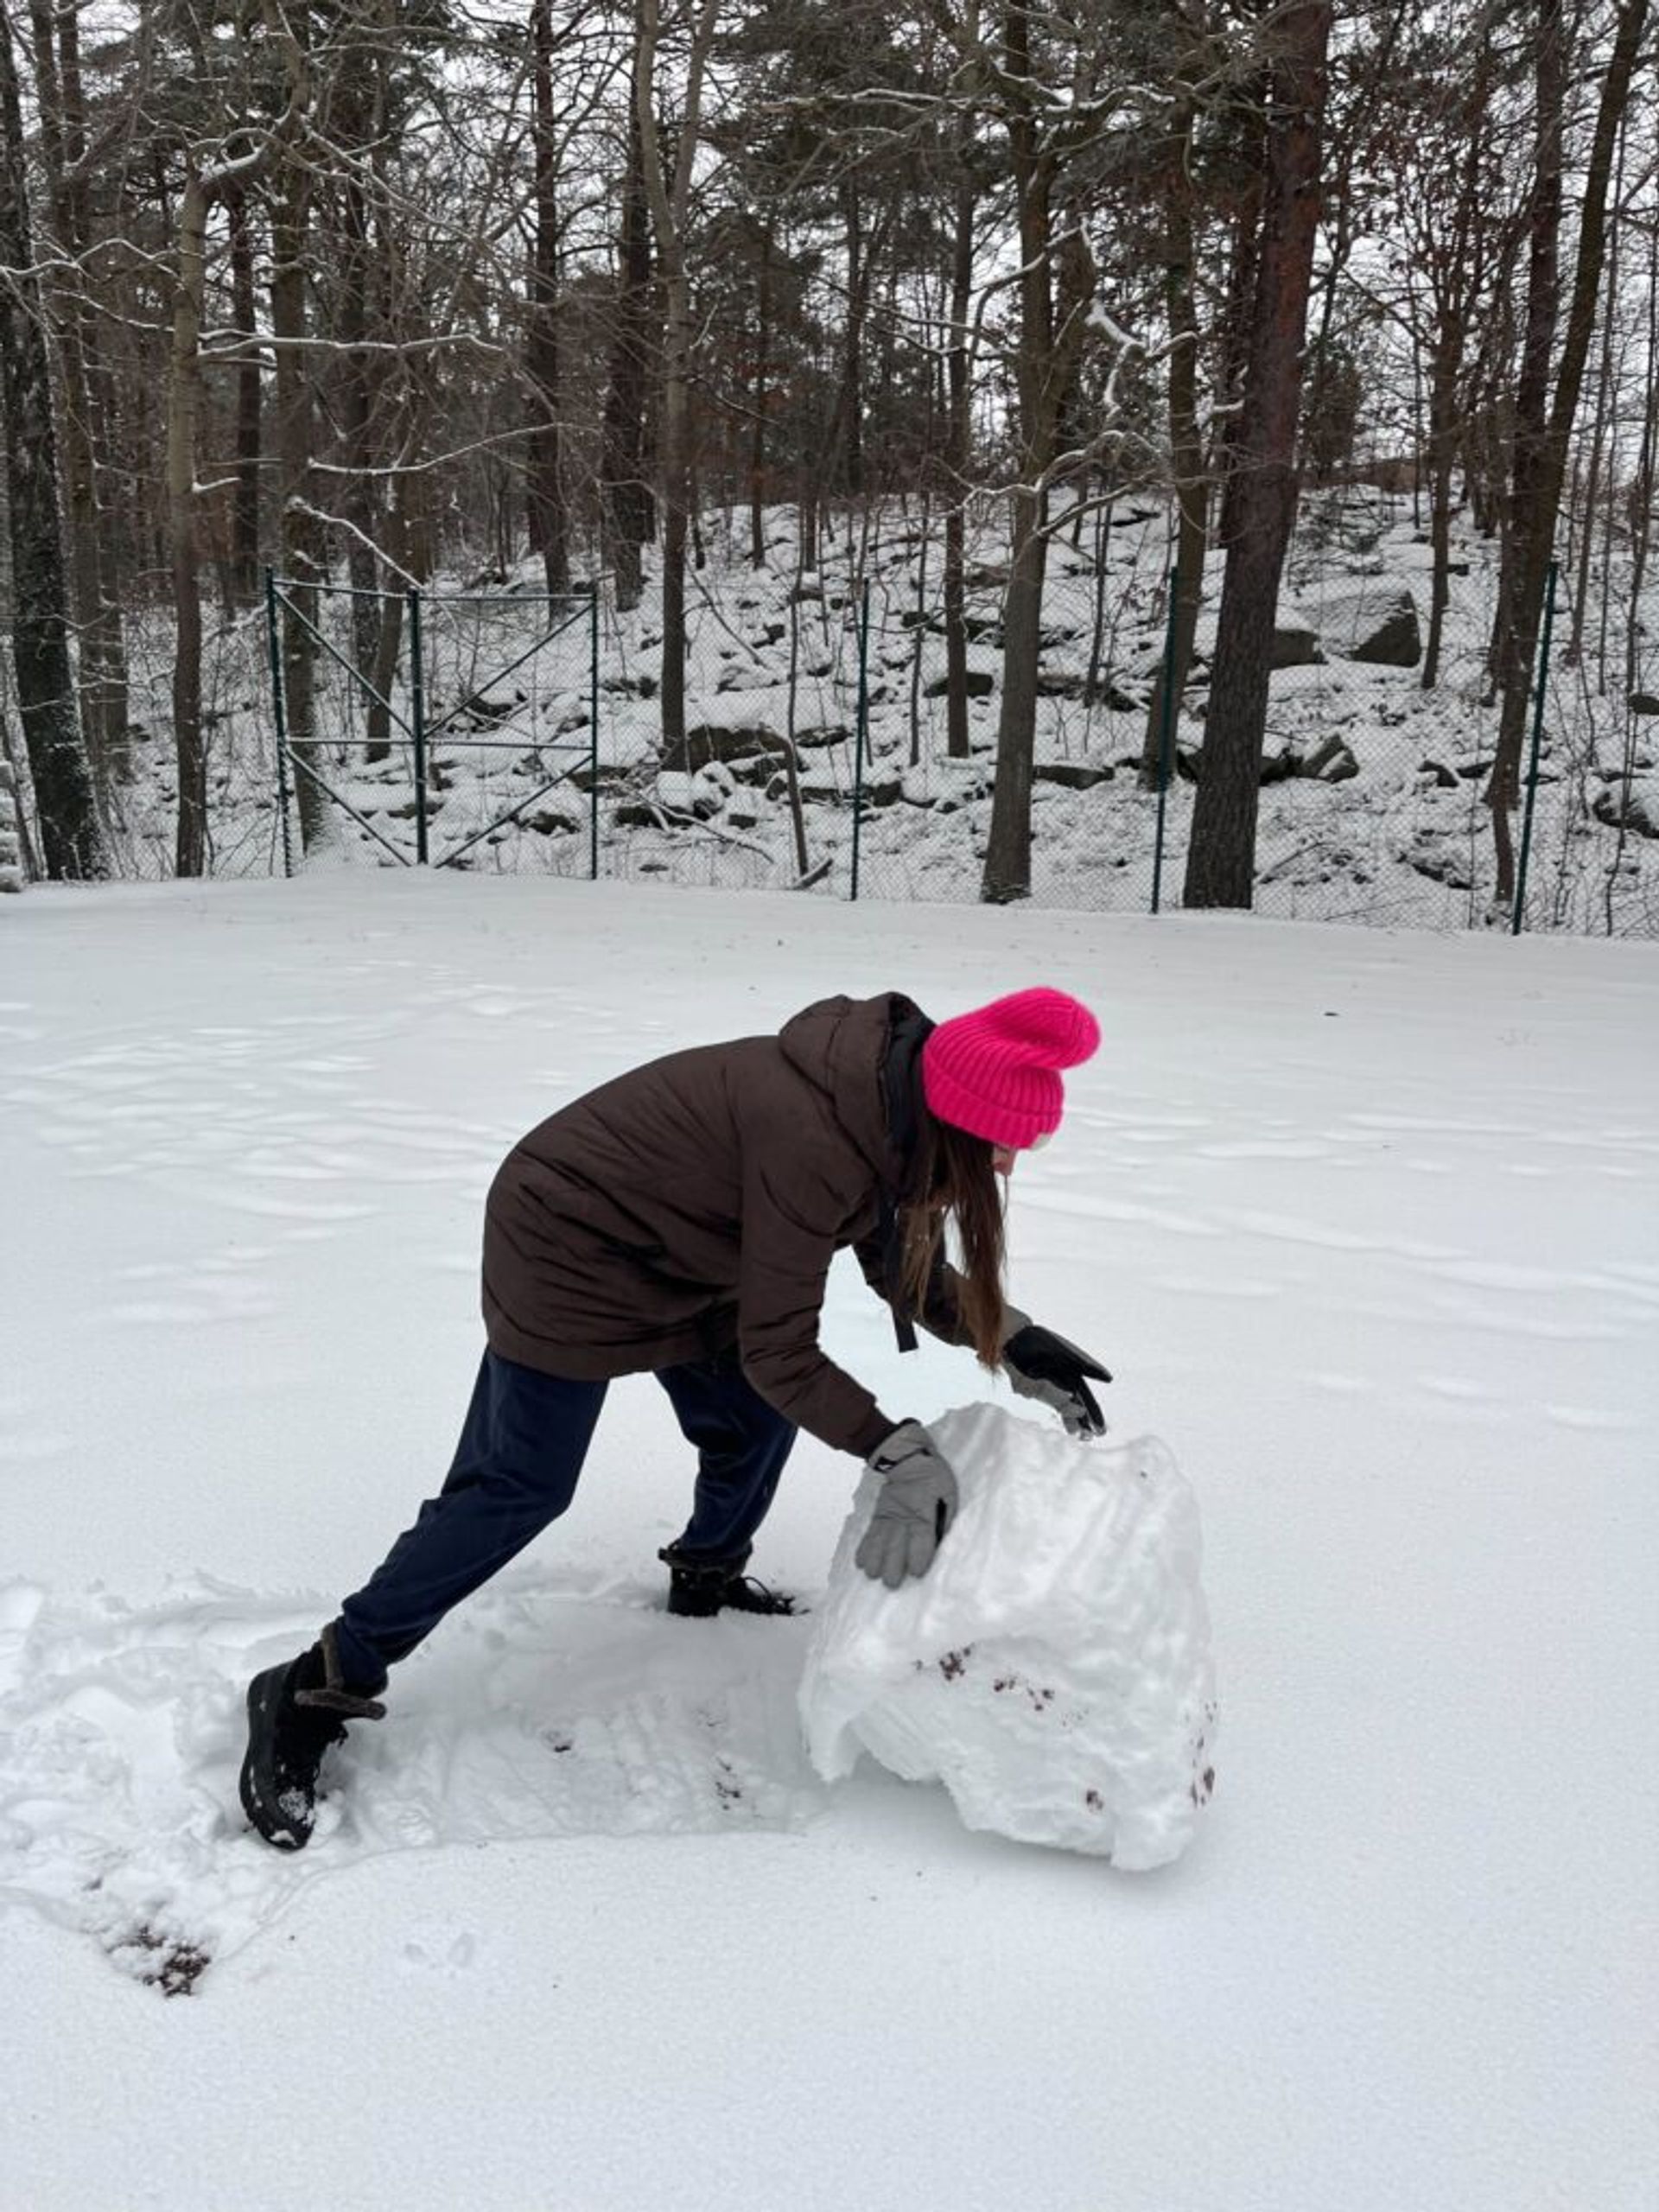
{"x":521,"y":1450}
{"x":742,"y":1443}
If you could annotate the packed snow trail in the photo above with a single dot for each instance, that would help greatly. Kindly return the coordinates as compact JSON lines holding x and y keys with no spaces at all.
{"x":550,"y":1711}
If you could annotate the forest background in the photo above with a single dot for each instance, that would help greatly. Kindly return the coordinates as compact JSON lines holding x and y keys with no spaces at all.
{"x":401,"y":292}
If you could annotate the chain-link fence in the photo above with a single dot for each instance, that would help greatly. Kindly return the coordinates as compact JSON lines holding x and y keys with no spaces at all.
{"x":1373,"y":806}
{"x":437,"y":728}
{"x":820,"y":753}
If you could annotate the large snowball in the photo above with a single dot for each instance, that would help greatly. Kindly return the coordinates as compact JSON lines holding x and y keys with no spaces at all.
{"x":1052,"y":1667}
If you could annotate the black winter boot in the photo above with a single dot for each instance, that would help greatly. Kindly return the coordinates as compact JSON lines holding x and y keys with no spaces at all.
{"x":696,"y":1590}
{"x":295,"y":1712}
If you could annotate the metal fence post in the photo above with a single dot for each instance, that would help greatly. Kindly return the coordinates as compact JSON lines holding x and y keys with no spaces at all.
{"x":279,"y":703}
{"x":1532,"y":766}
{"x":418,"y":721}
{"x":1165,"y":738}
{"x":863,"y":718}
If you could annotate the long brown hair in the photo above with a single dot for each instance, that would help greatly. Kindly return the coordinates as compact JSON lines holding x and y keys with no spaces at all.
{"x":954,"y":1184}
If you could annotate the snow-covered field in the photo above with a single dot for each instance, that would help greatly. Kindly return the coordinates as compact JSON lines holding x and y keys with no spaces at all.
{"x":1367,"y":1226}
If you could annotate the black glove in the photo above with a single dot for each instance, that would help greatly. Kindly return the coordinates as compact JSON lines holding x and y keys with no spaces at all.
{"x":1048,"y":1368}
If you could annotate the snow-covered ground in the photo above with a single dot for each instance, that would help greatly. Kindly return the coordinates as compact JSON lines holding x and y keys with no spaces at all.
{"x":1367,"y":1226}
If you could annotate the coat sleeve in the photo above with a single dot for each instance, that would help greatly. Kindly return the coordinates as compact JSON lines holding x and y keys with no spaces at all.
{"x":791,"y":1232}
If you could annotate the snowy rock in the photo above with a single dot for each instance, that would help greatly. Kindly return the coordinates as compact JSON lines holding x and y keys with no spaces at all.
{"x":691,"y":794}
{"x":748,"y":679}
{"x":1121,"y":696}
{"x":1296,"y":645}
{"x":1629,"y":806}
{"x":979,"y":683}
{"x":707,"y":742}
{"x":555,"y":821}
{"x":1372,"y":622}
{"x":1052,"y":1667}
{"x":1071,"y":775}
{"x":1331,"y":761}
{"x":1645,"y":702}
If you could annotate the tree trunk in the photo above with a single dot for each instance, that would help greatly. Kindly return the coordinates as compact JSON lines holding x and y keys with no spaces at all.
{"x":244,"y":499}
{"x":668,"y":198}
{"x":958,"y":435}
{"x":850,"y":405}
{"x":1008,"y":855}
{"x":1221,"y":857}
{"x":359,"y":496}
{"x":101,"y":661}
{"x":1053,"y":309}
{"x":184,"y":418}
{"x":628,"y":510}
{"x":758,"y":405}
{"x":1512,"y":658}
{"x":550,"y":530}
{"x":1443,"y":433}
{"x":1186,"y":439}
{"x":301,"y":554}
{"x":72,"y":841}
{"x":1538,"y":498}
{"x":1247,"y":113}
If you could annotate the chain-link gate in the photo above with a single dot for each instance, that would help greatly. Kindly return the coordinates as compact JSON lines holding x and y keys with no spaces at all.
{"x":475,"y":708}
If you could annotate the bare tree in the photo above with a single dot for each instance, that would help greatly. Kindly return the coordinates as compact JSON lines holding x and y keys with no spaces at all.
{"x":668,"y":196}
{"x":72,"y":841}
{"x":629,"y":509}
{"x":1540,"y":460}
{"x":1221,"y":857}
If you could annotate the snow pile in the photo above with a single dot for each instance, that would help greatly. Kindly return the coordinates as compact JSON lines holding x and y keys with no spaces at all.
{"x":1053,"y":1669}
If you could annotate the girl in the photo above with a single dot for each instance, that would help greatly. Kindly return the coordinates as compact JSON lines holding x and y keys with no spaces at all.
{"x":682,"y":1220}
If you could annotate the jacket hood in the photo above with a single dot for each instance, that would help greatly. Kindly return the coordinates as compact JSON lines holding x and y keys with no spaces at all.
{"x":841,"y":1045}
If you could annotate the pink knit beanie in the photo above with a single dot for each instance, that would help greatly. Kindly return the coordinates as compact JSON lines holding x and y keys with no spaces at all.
{"x":995,"y":1072}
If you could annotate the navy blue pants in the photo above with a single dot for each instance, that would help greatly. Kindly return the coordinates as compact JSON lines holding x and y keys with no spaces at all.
{"x":521,"y":1450}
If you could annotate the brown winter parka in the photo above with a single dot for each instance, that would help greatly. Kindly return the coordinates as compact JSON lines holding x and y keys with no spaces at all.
{"x":695,"y":1204}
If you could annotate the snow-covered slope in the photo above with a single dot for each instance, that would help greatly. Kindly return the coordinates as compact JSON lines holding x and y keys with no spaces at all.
{"x":1364,"y":1224}
{"x":1371,"y":807}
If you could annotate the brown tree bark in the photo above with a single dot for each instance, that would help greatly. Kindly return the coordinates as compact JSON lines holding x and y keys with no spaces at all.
{"x":629,"y":516}
{"x":72,"y":839}
{"x":958,"y":439}
{"x":183,"y":417}
{"x":549,"y":529}
{"x":1538,"y":497}
{"x":1053,"y":300}
{"x":1221,"y":856}
{"x":98,"y":629}
{"x":668,"y":193}
{"x":758,"y":400}
{"x":1187,"y":465}
{"x":249,"y":429}
{"x":301,"y":551}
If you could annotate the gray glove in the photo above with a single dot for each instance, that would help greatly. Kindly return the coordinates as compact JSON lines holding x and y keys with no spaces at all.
{"x":914,"y":1507}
